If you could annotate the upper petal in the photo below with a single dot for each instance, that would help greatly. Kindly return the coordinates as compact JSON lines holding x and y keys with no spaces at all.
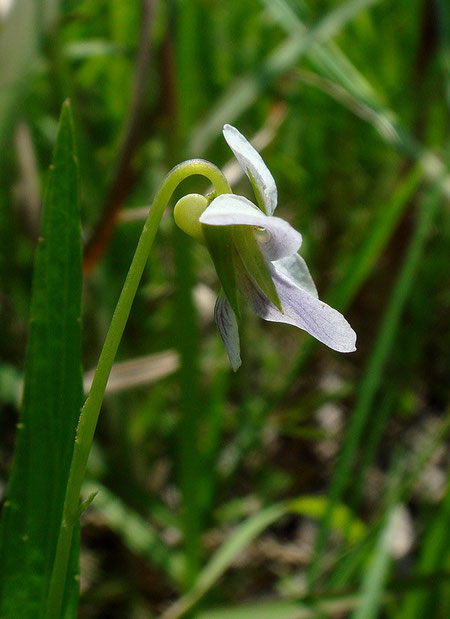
{"x":278,"y":239}
{"x":302,"y":310}
{"x":254,"y":167}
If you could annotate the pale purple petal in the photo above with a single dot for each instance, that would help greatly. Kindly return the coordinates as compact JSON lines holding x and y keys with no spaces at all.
{"x":253,"y":165}
{"x":276,"y":240}
{"x":228,"y":328}
{"x":294,"y":268}
{"x":302,"y":310}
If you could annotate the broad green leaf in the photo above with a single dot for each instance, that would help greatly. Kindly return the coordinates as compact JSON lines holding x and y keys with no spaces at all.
{"x":219,"y":241}
{"x":254,"y":263}
{"x":51,"y":399}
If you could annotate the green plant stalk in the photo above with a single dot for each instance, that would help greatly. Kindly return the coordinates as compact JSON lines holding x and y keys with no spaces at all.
{"x":91,"y":409}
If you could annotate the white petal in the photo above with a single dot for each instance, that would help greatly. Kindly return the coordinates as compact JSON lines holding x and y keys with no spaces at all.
{"x":253,"y":165}
{"x":294,"y":267}
{"x":302,"y":310}
{"x":278,"y":238}
{"x":228,"y":328}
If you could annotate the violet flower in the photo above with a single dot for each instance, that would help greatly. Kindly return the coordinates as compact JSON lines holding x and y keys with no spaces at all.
{"x":256,"y":253}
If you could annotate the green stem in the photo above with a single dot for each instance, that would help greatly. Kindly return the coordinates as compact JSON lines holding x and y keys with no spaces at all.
{"x":91,"y":409}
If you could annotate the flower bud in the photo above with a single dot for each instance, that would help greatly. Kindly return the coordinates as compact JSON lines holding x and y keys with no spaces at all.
{"x":187,"y":212}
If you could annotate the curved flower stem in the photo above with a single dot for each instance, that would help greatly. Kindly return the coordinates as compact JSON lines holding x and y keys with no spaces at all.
{"x":91,"y":409}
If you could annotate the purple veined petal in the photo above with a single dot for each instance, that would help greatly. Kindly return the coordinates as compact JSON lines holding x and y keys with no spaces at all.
{"x":302,"y":310}
{"x":228,"y":328}
{"x":294,"y":267}
{"x":278,"y":239}
{"x":253,"y":165}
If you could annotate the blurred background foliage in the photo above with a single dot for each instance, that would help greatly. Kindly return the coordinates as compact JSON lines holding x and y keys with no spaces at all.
{"x":309,"y":483}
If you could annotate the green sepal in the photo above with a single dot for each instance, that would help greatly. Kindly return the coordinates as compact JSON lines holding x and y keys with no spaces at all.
{"x":254,"y":262}
{"x":219,"y":241}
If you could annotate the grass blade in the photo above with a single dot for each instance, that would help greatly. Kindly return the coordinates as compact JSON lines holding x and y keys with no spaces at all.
{"x":18,"y":45}
{"x":330,"y":60}
{"x":221,"y":560}
{"x":435,"y":547}
{"x":373,"y":584}
{"x":52,"y":396}
{"x":375,"y":366}
{"x":245,"y":91}
{"x":331,"y":605}
{"x":359,"y":266}
{"x":247,"y":531}
{"x":137,"y":534}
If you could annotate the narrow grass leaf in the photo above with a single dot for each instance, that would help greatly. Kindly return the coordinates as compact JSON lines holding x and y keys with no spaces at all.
{"x":359,"y":267}
{"x":51,"y":399}
{"x":18,"y":45}
{"x":247,"y":531}
{"x":329,"y":59}
{"x":350,"y":564}
{"x":444,"y":22}
{"x":328,"y":605}
{"x":339,"y":606}
{"x":281,"y":609}
{"x":136,"y":533}
{"x":360,"y":264}
{"x":377,"y":360}
{"x":223,"y":557}
{"x":245,"y":91}
{"x":434,"y":553}
{"x":372,"y":588}
{"x":344,"y":522}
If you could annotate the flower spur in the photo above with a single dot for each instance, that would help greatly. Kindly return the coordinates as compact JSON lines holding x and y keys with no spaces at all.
{"x":256,"y":253}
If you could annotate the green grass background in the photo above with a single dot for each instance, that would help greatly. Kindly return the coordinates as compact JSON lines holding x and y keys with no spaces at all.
{"x":309,"y":483}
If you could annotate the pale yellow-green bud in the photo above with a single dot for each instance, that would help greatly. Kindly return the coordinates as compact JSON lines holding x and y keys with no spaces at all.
{"x":187,"y":212}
